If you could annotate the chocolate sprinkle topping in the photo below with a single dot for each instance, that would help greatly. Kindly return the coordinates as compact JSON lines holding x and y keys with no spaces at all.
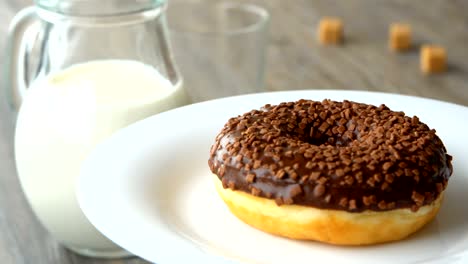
{"x":335,"y":155}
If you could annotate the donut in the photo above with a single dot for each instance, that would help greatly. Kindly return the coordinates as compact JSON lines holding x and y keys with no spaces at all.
{"x":343,"y":173}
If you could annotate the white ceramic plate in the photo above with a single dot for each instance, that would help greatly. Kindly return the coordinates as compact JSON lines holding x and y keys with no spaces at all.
{"x":149,"y":190}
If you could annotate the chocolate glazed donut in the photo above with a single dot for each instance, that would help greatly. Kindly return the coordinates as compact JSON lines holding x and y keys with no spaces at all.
{"x":343,"y":159}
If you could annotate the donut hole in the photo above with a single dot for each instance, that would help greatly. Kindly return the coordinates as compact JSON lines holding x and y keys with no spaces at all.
{"x":318,"y":138}
{"x":325,"y":140}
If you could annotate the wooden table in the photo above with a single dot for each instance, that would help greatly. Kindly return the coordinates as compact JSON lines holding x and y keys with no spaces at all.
{"x":295,"y":61}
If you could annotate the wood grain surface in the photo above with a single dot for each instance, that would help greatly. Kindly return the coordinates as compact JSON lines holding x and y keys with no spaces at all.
{"x":294,"y":61}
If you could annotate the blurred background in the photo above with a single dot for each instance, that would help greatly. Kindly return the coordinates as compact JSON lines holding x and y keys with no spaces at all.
{"x":296,"y":61}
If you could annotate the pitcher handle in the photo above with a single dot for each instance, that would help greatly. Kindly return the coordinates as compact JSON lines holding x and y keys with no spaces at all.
{"x":19,"y":31}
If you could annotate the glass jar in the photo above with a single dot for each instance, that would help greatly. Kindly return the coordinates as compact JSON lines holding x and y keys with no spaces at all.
{"x":56,"y":34}
{"x":78,"y":71}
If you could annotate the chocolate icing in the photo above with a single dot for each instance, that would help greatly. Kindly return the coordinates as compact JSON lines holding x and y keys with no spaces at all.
{"x":334,"y":155}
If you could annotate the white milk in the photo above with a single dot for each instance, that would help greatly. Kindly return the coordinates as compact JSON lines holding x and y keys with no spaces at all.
{"x":61,"y":120}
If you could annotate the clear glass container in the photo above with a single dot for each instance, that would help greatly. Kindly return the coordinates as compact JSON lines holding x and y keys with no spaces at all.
{"x":78,"y":71}
{"x":55,"y":34}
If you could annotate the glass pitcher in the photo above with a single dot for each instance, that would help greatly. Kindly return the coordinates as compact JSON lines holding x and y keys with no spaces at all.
{"x":78,"y":71}
{"x":55,"y":34}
